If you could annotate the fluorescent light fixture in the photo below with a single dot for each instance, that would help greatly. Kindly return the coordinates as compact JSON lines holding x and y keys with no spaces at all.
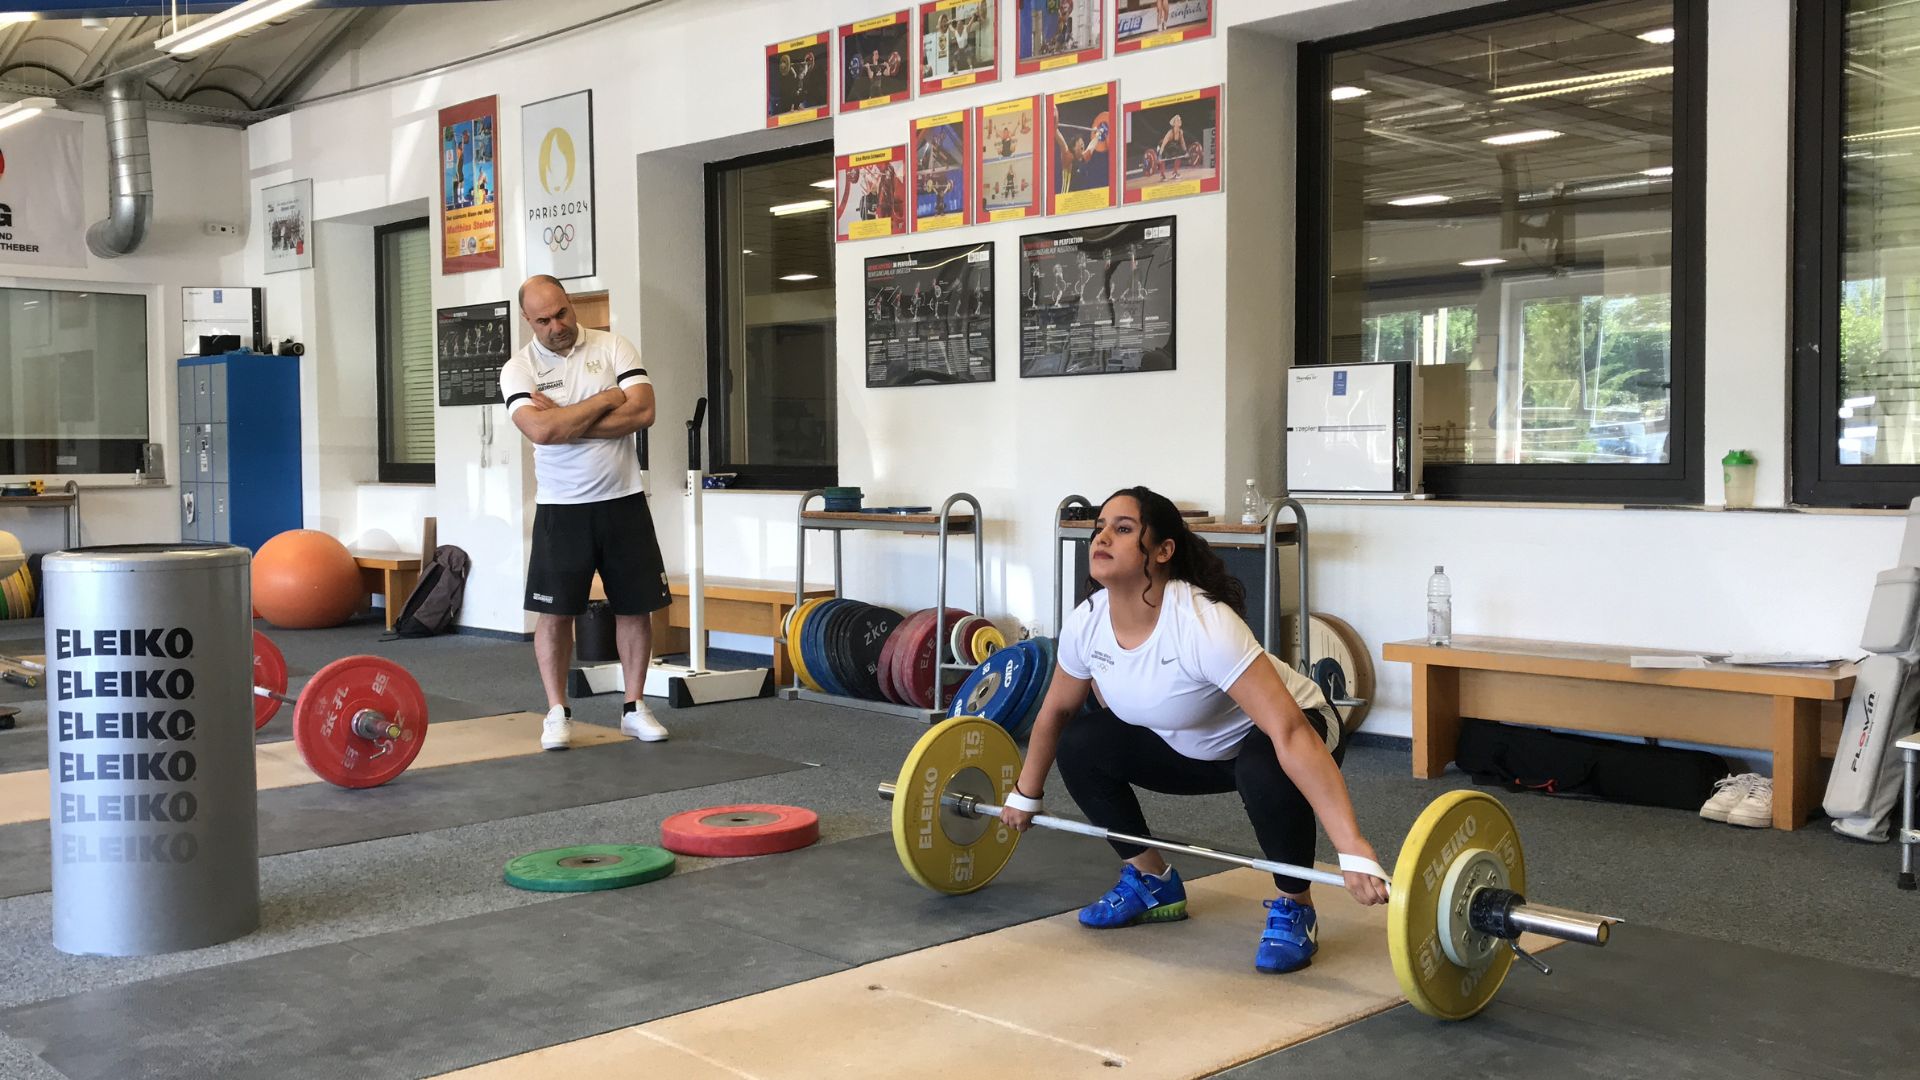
{"x":1418,"y":200}
{"x":1866,"y":431}
{"x":1482,"y":262}
{"x":11,"y":17}
{"x":1515,"y":138}
{"x":1662,"y":36}
{"x":798,"y":277}
{"x":23,"y":110}
{"x":1860,"y":402}
{"x":217,"y":28}
{"x":824,"y":185}
{"x":1658,"y":170}
{"x":1580,"y":82}
{"x":746,"y":251}
{"x":1348,"y":93}
{"x":806,"y":207}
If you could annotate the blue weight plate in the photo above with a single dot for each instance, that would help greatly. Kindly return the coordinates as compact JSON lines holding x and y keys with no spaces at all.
{"x":811,"y":638}
{"x":1049,"y":653}
{"x":1031,"y":690}
{"x":836,"y":674}
{"x":997,"y":688}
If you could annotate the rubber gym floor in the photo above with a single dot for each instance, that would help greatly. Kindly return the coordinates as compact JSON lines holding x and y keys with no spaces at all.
{"x":389,"y":946}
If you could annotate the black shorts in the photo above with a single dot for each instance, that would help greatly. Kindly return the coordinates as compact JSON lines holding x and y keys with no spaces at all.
{"x":571,"y":542}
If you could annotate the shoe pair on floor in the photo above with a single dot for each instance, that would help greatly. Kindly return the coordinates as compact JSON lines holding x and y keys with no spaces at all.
{"x":1287,"y":944}
{"x":1746,"y":799}
{"x":556,"y":731}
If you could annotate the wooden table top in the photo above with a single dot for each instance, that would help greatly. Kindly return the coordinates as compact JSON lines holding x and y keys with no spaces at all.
{"x":1612,"y":663}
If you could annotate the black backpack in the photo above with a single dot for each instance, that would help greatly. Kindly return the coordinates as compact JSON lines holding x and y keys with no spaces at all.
{"x":435,"y":603}
{"x":1556,"y":763}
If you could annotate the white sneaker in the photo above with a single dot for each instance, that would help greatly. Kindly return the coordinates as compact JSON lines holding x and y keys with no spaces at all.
{"x":1756,"y":810}
{"x":641,"y":725}
{"x":556,"y":731}
{"x":1727,"y":794}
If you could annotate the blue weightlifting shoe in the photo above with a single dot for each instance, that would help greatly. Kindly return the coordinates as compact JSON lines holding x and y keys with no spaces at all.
{"x":1138,"y":898}
{"x":1291,"y":937}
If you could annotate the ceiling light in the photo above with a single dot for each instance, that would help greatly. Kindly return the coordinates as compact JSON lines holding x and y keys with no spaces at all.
{"x":798,"y":277}
{"x":746,"y":251}
{"x":11,"y":17}
{"x":1482,"y":262}
{"x":1584,"y":82}
{"x":216,"y":28}
{"x":806,"y":207}
{"x":23,"y":110}
{"x":1418,"y":200}
{"x":93,"y":24}
{"x":1662,"y":36}
{"x":1514,"y":138}
{"x":1658,"y":170}
{"x":1348,"y":93}
{"x":824,"y":185}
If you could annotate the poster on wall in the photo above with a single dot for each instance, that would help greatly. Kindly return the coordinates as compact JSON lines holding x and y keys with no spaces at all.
{"x":870,"y":196}
{"x":800,"y":80}
{"x":1173,"y":146}
{"x":1149,"y":24}
{"x":46,"y":220}
{"x":1080,"y":145}
{"x":1098,"y":300}
{"x":1007,"y":174}
{"x":930,"y":316}
{"x":556,"y":184}
{"x":959,"y":44}
{"x":470,"y":346}
{"x":942,"y":173}
{"x":469,"y":187}
{"x":1050,"y":34}
{"x":878,"y":55}
{"x":287,"y":210}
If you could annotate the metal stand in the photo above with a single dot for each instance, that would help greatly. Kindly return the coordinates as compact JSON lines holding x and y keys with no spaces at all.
{"x":1909,"y":834}
{"x":943,"y":525}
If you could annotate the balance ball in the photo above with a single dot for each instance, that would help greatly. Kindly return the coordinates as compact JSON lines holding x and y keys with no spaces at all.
{"x":305,"y":580}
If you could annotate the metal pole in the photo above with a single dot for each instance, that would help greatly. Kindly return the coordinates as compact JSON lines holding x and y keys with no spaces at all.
{"x":1059,"y":514}
{"x":800,"y":563}
{"x":1574,"y":926}
{"x":1300,"y":546}
{"x":1907,"y":835}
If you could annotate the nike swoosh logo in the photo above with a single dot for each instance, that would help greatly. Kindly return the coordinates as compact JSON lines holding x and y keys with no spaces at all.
{"x":1169,"y":660}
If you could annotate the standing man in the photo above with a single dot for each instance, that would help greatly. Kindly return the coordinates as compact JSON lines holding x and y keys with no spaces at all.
{"x":579,"y":395}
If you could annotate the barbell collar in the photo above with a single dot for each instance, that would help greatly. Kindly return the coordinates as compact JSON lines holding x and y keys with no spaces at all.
{"x":1505,"y":914}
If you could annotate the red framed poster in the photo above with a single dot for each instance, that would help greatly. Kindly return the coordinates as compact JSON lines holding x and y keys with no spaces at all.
{"x":943,"y":171}
{"x":870,"y":196}
{"x":800,"y":80}
{"x":959,"y":44}
{"x":1052,"y":34}
{"x":1008,"y":174}
{"x":1080,"y":148}
{"x":1174,"y":146}
{"x":469,"y":186}
{"x":878,"y":56}
{"x":1149,"y":24}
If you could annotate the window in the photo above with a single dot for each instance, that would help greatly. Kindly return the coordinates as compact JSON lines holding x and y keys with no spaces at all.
{"x":770,"y":341}
{"x":1510,"y":199}
{"x":403,"y":278}
{"x":1856,"y":401}
{"x":73,"y":381}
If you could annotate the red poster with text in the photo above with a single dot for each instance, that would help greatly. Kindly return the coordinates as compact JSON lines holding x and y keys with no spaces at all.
{"x":469,"y":186}
{"x":870,"y":194}
{"x":878,"y":56}
{"x":1081,"y":144}
{"x":1174,"y":146}
{"x":1011,"y":176}
{"x":800,"y":80}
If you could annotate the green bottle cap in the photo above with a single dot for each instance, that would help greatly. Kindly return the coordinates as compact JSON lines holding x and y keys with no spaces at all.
{"x":1737,"y":457}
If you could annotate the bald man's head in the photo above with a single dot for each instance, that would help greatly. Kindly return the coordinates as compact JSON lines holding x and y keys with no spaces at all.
{"x":549,"y":312}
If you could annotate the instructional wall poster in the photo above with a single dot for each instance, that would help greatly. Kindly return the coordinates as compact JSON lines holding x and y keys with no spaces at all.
{"x":800,"y":80}
{"x":45,"y":213}
{"x":942,"y":176}
{"x":471,"y":344}
{"x":1050,"y":34}
{"x":1098,"y":300}
{"x":930,"y":316}
{"x":469,"y":204}
{"x":870,"y":196}
{"x":1173,"y":146}
{"x":1080,"y":147}
{"x":556,"y":159}
{"x":878,"y":56}
{"x":959,"y":44}
{"x":1147,"y":24}
{"x":287,"y":210}
{"x":1008,"y":174}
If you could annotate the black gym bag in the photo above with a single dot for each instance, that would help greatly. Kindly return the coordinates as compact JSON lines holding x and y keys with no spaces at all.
{"x":434,"y":605}
{"x":1554,"y":763}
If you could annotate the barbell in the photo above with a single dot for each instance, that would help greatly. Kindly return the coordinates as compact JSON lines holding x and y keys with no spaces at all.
{"x":357,"y":723}
{"x":1457,"y":895}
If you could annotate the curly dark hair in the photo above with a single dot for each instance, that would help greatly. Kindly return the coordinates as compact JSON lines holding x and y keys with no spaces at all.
{"x":1193,"y":562}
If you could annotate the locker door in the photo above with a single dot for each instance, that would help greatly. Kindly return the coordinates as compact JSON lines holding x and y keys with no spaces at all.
{"x":217,"y":394}
{"x":203,"y":453}
{"x":185,"y":451}
{"x":217,"y":444}
{"x":183,"y":390}
{"x":202,"y":392}
{"x":222,"y":523}
{"x":189,"y":510}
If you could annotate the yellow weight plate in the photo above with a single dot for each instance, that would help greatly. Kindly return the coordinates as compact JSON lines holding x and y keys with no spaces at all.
{"x":1453,"y":826}
{"x":939,"y":848}
{"x":800,"y":616}
{"x":27,"y":591}
{"x":986,"y":641}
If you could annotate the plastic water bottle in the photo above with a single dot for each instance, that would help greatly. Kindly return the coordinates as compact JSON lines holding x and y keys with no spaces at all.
{"x":1253,"y":509}
{"x":1439,"y":608}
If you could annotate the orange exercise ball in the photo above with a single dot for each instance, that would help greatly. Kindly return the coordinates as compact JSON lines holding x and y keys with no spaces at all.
{"x":304,"y":580}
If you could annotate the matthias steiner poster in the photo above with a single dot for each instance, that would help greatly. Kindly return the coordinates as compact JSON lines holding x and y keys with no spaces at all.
{"x":42,"y":218}
{"x":556,"y":157}
{"x":469,"y":187}
{"x":1098,"y":300}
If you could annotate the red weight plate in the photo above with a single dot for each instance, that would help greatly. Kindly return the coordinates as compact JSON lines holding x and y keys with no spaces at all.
{"x":902,"y":642}
{"x":323,"y":721}
{"x":883,"y":673}
{"x":269,"y":672}
{"x":914,"y":679}
{"x":727,"y":832}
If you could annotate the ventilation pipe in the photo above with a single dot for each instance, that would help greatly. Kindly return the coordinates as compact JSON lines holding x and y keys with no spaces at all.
{"x":129,"y":171}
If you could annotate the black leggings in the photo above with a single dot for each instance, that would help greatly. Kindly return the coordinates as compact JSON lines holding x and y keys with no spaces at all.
{"x":1102,"y":757}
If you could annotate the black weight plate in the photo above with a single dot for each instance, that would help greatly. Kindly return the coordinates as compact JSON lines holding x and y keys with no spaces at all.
{"x":864,"y":635}
{"x":833,"y":644}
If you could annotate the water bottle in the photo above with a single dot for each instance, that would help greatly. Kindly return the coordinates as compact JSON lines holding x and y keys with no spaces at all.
{"x":1253,"y":509}
{"x":1439,"y":608}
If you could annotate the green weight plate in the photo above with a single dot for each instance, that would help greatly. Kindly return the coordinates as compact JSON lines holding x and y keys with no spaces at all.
{"x":589,"y":868}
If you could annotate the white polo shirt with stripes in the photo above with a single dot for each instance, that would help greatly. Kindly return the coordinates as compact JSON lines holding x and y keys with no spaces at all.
{"x":589,"y":470}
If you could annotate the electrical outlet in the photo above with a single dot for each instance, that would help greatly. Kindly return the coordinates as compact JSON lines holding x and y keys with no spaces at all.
{"x":221,"y":228}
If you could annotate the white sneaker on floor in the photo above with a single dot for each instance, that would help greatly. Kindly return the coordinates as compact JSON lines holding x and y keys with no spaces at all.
{"x":641,"y":725}
{"x":1756,"y":810}
{"x":1727,"y":794}
{"x":556,"y":731}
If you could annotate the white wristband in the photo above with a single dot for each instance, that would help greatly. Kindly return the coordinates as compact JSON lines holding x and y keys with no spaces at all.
{"x":1021,"y":802}
{"x":1360,"y":864}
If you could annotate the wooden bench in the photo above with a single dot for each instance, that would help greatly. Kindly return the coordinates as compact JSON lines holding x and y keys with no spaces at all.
{"x":391,"y":574}
{"x":1594,"y":688}
{"x":734,"y":606}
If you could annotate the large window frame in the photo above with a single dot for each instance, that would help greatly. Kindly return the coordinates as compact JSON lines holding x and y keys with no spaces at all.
{"x":760,"y":475}
{"x":1680,"y":480}
{"x":390,"y":470}
{"x":91,"y":459}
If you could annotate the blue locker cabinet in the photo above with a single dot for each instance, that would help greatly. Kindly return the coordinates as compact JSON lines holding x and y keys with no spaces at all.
{"x":239,"y":447}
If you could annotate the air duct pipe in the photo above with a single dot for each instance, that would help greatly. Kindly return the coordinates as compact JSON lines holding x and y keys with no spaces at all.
{"x":129,"y":171}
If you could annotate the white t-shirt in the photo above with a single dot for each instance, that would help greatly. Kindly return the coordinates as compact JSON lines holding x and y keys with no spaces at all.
{"x":1175,"y":683}
{"x":590,"y":470}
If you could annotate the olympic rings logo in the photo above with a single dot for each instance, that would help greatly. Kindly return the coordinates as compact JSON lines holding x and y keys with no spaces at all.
{"x":557,"y":237}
